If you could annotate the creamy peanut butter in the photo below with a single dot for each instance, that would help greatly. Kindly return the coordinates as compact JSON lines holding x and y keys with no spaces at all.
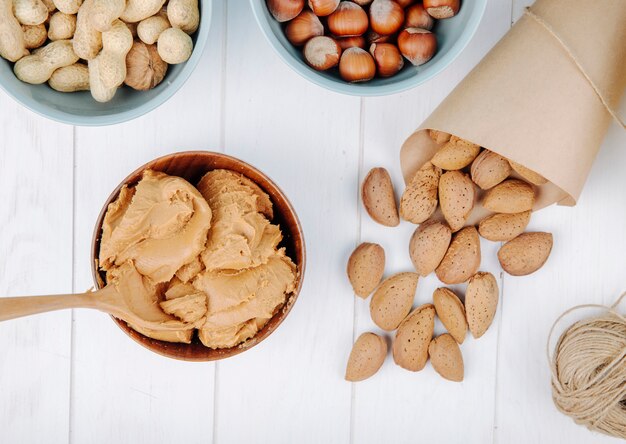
{"x":207,"y":258}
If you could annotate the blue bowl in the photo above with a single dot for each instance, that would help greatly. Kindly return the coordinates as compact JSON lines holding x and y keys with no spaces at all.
{"x":453,"y":35}
{"x":79,"y":108}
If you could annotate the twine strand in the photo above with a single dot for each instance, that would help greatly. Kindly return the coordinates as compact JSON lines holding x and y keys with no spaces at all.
{"x":572,"y":56}
{"x":589,"y":369}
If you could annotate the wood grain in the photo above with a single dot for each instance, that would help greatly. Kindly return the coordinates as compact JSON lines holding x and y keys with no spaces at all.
{"x":36,"y":244}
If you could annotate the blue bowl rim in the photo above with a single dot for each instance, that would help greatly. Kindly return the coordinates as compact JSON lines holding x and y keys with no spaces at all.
{"x":125,"y":116}
{"x":363,"y":89}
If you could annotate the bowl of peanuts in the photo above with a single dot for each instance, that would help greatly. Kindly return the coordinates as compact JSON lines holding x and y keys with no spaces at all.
{"x":99,"y":62}
{"x":368,"y":47}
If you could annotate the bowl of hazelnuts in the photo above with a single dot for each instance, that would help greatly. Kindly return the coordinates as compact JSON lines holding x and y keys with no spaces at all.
{"x":99,"y":62}
{"x":368,"y":47}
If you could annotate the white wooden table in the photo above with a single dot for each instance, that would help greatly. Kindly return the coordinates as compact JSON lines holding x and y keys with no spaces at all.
{"x":75,"y":377}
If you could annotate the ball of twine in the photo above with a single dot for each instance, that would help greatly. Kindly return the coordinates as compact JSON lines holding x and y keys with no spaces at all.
{"x":589,"y":371}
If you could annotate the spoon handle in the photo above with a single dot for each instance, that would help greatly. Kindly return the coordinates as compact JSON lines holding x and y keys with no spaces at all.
{"x":17,"y":307}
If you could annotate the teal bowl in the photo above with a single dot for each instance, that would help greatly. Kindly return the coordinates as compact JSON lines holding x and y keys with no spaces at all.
{"x":453,"y":35}
{"x":79,"y":108}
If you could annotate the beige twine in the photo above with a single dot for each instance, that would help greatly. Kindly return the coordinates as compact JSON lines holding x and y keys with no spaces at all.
{"x":589,"y":370}
{"x":571,"y":55}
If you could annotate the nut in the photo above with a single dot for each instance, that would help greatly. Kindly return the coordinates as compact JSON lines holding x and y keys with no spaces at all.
{"x":349,"y":19}
{"x":481,"y":302}
{"x":455,"y":154}
{"x":87,"y":39}
{"x":510,"y":196}
{"x":185,"y":14}
{"x":149,"y":30}
{"x":365,"y":268}
{"x":489,"y":169}
{"x":417,"y":45}
{"x":529,"y":175}
{"x":137,"y":10}
{"x":68,"y":6}
{"x":442,"y":9}
{"x":377,"y":193}
{"x":387,"y":58}
{"x":462,"y":259}
{"x":357,"y":41}
{"x":526,"y":253}
{"x":503,"y":227}
{"x":367,"y":356}
{"x":439,"y":137}
{"x":12,"y":43}
{"x":322,"y":8}
{"x":105,"y":12}
{"x":62,"y":26}
{"x":386,"y":17}
{"x":419,"y":200}
{"x":417,"y":17}
{"x":456,"y":197}
{"x":428,"y":246}
{"x":445,"y":356}
{"x":70,"y":78}
{"x":356,"y":65}
{"x":451,"y":313}
{"x":30,"y":12}
{"x":305,"y":26}
{"x":410,"y":346}
{"x":144,"y":67}
{"x":285,"y":10}
{"x":174,"y":46}
{"x":34,"y":35}
{"x":392,"y":300}
{"x":322,"y":53}
{"x":37,"y":68}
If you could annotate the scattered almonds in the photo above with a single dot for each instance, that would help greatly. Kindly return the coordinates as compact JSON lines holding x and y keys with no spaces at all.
{"x":456,"y":195}
{"x":511,"y":196}
{"x":367,"y":356}
{"x":428,"y":246}
{"x":462,"y":258}
{"x":365,"y":268}
{"x":455,"y":154}
{"x":489,"y":169}
{"x":419,"y":200}
{"x":451,"y":313}
{"x":378,"y":197}
{"x":526,"y":253}
{"x":445,"y":356}
{"x":410,"y":346}
{"x":481,"y":302}
{"x":503,"y":227}
{"x":393,"y":299}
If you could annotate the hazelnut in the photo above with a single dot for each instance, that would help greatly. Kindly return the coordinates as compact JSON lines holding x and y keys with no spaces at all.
{"x":322,"y":8}
{"x":285,"y":10}
{"x":356,"y":65}
{"x":387,"y":58}
{"x":442,"y":9}
{"x":417,"y":45}
{"x":322,"y":53}
{"x":349,"y":19}
{"x":305,"y":26}
{"x":417,"y":17}
{"x":348,"y":42}
{"x":386,"y":16}
{"x":144,"y":67}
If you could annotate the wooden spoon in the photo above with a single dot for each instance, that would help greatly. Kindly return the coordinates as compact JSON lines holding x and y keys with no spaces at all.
{"x":129,"y":300}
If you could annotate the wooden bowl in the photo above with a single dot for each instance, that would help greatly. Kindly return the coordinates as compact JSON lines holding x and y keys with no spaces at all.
{"x":192,"y":165}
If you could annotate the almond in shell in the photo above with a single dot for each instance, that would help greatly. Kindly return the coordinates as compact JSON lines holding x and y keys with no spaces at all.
{"x":410,"y":346}
{"x":438,"y":137}
{"x":419,"y":200}
{"x":428,"y":245}
{"x":462,"y":259}
{"x":393,"y":300}
{"x":367,"y":356}
{"x":503,"y":227}
{"x":456,"y":196}
{"x":528,"y":174}
{"x":378,"y":197}
{"x":365,"y":268}
{"x":455,"y":154}
{"x":489,"y":169}
{"x":526,"y":253}
{"x":511,"y":196}
{"x":451,"y":313}
{"x":481,"y":302}
{"x":446,"y":358}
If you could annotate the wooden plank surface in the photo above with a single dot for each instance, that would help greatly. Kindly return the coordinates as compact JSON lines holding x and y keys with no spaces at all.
{"x":75,"y":377}
{"x":36,"y":242}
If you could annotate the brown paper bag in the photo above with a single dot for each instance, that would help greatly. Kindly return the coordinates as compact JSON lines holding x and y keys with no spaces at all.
{"x":541,"y":97}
